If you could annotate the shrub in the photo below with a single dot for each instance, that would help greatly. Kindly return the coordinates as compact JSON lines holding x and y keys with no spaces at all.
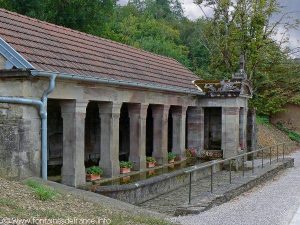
{"x":41,"y":191}
{"x":294,"y":136}
{"x":126,"y":164}
{"x":150,"y":159}
{"x":95,"y":170}
{"x":171,"y":156}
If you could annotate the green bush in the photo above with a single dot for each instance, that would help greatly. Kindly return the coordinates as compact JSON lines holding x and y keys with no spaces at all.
{"x":41,"y":191}
{"x":150,"y":159}
{"x":95,"y":170}
{"x":171,"y":156}
{"x":294,"y":136}
{"x":126,"y":164}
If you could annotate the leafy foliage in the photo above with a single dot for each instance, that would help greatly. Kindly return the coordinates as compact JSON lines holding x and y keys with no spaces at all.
{"x":126,"y":164}
{"x":171,"y":155}
{"x":150,"y":159}
{"x":96,"y":170}
{"x":294,"y":136}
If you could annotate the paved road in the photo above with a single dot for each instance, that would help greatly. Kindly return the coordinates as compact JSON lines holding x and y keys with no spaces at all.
{"x":274,"y":203}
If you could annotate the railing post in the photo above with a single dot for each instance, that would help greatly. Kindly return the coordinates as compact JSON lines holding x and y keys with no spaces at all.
{"x":270,"y":155}
{"x":277,"y":153}
{"x":211,"y":179}
{"x":190,"y":188}
{"x":243,"y":162}
{"x":253,"y":163}
{"x":230,"y":171}
{"x":262,"y":159}
{"x":283,"y":148}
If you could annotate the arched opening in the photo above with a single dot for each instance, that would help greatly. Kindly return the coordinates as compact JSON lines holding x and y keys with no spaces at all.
{"x":92,"y":135}
{"x":149,"y":132}
{"x":170,"y":131}
{"x":212,"y":128}
{"x":124,"y":134}
{"x":55,"y":139}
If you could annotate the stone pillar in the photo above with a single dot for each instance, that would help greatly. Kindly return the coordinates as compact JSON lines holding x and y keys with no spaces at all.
{"x":109,"y":113}
{"x":137,"y":116}
{"x":195,"y":128}
{"x":251,"y":130}
{"x":178,"y":117}
{"x":160,"y":133}
{"x":230,"y":131}
{"x":243,"y":128}
{"x":73,"y":114}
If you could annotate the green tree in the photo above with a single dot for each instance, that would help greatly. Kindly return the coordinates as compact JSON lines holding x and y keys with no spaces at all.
{"x":89,"y":16}
{"x":132,"y":27}
{"x":248,"y":27}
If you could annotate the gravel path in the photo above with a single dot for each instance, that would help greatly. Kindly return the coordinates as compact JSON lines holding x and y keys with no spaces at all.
{"x":273,"y":203}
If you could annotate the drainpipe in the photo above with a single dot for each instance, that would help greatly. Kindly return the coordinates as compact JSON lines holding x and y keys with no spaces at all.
{"x":43,"y":114}
{"x":42,"y":106}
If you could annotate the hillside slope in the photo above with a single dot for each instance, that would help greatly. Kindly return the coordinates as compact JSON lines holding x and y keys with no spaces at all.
{"x":268,"y":135}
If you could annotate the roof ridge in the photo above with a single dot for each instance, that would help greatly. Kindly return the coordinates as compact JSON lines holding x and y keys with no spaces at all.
{"x":86,"y":34}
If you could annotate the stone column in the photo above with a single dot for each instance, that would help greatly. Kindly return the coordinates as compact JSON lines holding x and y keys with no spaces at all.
{"x":243,"y":128}
{"x":251,"y":130}
{"x":178,"y":117}
{"x":195,"y":128}
{"x":109,"y":113}
{"x":73,"y":114}
{"x":137,"y":116}
{"x":160,"y":133}
{"x":230,"y":131}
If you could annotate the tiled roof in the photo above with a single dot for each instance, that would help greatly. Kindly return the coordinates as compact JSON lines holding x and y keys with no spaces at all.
{"x":49,"y":47}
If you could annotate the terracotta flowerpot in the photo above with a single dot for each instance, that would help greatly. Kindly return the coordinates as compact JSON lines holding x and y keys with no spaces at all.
{"x":150,"y":164}
{"x":171,"y":161}
{"x":92,"y":177}
{"x":125,"y":170}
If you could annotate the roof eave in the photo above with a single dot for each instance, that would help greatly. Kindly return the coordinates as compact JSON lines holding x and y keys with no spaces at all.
{"x":114,"y":82}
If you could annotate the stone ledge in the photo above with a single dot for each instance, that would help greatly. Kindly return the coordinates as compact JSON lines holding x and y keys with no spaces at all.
{"x":225,"y":193}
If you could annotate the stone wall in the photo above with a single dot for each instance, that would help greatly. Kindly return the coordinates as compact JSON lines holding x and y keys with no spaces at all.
{"x":19,"y":151}
{"x":20,"y":127}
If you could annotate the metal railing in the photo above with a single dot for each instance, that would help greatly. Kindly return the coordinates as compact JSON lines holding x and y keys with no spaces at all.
{"x":283,"y":146}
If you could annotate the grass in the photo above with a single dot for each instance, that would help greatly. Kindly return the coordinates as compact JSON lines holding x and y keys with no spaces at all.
{"x":264,"y":120}
{"x":42,"y":192}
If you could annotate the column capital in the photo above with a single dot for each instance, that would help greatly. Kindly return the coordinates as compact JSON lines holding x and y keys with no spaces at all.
{"x":159,"y":110}
{"x":73,"y":106}
{"x":179,"y":111}
{"x":109,"y":108}
{"x":137,"y":109}
{"x":231,"y":110}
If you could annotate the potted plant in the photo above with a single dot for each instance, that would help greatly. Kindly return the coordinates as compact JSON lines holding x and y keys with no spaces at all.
{"x":125,"y":167}
{"x":171,"y":157}
{"x":93,"y":173}
{"x":150,"y":162}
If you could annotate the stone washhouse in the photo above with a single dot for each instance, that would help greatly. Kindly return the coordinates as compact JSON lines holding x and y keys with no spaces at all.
{"x":68,"y":99}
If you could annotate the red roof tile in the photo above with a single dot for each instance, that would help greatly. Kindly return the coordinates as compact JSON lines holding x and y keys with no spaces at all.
{"x":54,"y":48}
